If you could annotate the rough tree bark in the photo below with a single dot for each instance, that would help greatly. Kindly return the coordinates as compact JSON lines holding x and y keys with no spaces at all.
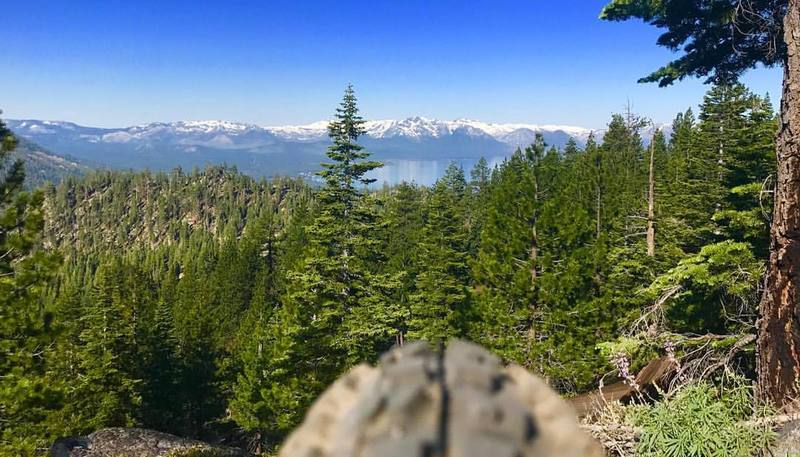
{"x":779,"y":323}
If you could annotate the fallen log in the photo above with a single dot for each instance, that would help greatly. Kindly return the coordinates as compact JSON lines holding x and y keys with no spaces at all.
{"x":654,"y":372}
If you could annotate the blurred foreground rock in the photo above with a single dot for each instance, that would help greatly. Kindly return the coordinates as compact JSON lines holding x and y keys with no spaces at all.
{"x":459,"y":403}
{"x":137,"y":442}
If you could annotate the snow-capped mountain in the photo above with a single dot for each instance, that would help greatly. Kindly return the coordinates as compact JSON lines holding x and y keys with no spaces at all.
{"x":420,"y":127}
{"x":220,"y":134}
{"x":261,"y":150}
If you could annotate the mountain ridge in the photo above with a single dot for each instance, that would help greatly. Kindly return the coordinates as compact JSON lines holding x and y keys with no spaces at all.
{"x":419,"y":126}
{"x":413,"y":127}
{"x":283,"y":150}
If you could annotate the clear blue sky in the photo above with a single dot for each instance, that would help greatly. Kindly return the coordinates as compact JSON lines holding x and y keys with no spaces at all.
{"x":117,"y":63}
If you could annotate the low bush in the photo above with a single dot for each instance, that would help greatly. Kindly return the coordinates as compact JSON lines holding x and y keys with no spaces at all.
{"x":702,"y":420}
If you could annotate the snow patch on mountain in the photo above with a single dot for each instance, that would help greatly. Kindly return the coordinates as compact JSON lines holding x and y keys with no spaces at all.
{"x":309,"y":132}
{"x":114,"y":137}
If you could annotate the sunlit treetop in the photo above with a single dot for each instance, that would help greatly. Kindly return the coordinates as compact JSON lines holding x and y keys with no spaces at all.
{"x":719,"y":39}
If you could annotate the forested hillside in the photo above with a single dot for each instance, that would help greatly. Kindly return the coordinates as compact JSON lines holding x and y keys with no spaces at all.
{"x":213,"y":305}
{"x":42,"y":166}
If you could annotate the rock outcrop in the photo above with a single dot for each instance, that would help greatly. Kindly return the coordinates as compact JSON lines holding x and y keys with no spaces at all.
{"x":137,"y":442}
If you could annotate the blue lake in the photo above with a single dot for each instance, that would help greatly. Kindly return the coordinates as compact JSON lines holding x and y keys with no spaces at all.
{"x":423,"y":172}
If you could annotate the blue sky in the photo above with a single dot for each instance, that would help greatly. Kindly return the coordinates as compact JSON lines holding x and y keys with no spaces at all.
{"x":118,"y":63}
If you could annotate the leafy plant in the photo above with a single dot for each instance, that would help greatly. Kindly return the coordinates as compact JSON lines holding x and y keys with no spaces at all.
{"x":702,"y":420}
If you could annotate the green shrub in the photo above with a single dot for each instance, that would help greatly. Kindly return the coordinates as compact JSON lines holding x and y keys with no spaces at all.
{"x":702,"y":421}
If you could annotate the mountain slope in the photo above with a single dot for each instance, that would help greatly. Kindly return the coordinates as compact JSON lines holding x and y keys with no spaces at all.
{"x":43,"y":166}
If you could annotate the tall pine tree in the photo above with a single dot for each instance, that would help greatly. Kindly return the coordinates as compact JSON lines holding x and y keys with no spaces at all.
{"x":26,"y":396}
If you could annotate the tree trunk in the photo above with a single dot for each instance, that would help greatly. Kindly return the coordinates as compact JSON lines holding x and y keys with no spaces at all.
{"x":779,"y":323}
{"x":598,"y":198}
{"x":533,"y":254}
{"x":651,"y":187}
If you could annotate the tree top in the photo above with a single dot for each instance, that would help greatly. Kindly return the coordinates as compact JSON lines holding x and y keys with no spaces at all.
{"x":719,"y":39}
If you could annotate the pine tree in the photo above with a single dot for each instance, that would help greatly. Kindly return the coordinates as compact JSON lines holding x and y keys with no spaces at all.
{"x":677,"y":207}
{"x":160,"y":368}
{"x":594,"y":172}
{"x":261,"y":401}
{"x":508,"y":262}
{"x":333,"y":312}
{"x":439,"y":304}
{"x":198,"y":341}
{"x":107,"y":390}
{"x":403,"y":219}
{"x":253,"y":403}
{"x":743,"y":215}
{"x":624,"y":173}
{"x":567,"y":269}
{"x":735,"y":137}
{"x":26,"y":396}
{"x":571,"y":150}
{"x":480,"y":178}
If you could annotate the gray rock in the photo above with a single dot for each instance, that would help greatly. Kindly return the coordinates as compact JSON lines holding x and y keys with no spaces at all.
{"x":137,"y":442}
{"x":787,"y":443}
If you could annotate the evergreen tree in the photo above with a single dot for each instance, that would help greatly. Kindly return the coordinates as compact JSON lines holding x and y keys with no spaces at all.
{"x":198,"y":342}
{"x":403,"y":219}
{"x":750,"y":169}
{"x":480,"y":178}
{"x":438,"y":307}
{"x":680,"y":211}
{"x":107,"y":390}
{"x":566,"y":271}
{"x":508,"y":261}
{"x":26,"y":396}
{"x":252,"y":401}
{"x":731,"y":160}
{"x":333,"y":312}
{"x":260,"y":401}
{"x":160,"y":368}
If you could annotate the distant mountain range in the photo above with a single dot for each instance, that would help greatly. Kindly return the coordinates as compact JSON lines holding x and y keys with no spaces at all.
{"x":266,"y":151}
